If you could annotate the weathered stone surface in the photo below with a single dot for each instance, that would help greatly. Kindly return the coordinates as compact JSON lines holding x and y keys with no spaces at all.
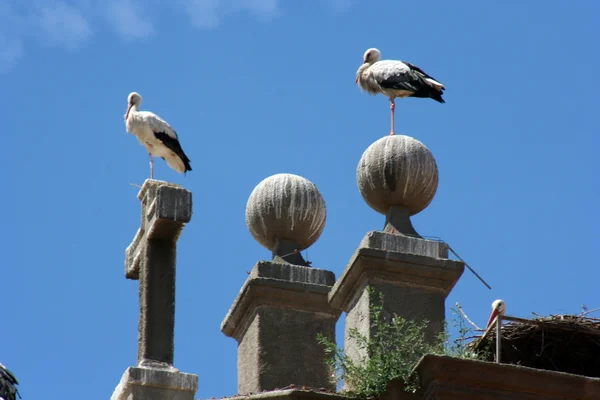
{"x":397,"y":171}
{"x":287,"y":252}
{"x":150,"y":384}
{"x":292,"y":394}
{"x":404,"y":244}
{"x":166,"y":208}
{"x":275,"y":319}
{"x":455,"y":379}
{"x":397,"y":221}
{"x":415,"y":286}
{"x":401,"y":268}
{"x":288,"y":273}
{"x":151,"y":258}
{"x":450,"y":378}
{"x":286,"y":206}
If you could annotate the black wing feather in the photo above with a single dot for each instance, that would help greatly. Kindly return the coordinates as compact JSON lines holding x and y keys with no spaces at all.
{"x":174,"y":145}
{"x":8,"y":381}
{"x":404,"y":81}
{"x":419,"y":70}
{"x":413,"y":81}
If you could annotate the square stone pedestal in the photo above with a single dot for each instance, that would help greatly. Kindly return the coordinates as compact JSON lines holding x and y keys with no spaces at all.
{"x":155,"y":384}
{"x":275,"y":319}
{"x":414,"y":275}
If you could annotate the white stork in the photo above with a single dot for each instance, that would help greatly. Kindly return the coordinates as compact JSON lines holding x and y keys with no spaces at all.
{"x":8,"y":382}
{"x":396,"y":79}
{"x":156,"y":135}
{"x":498,"y":308}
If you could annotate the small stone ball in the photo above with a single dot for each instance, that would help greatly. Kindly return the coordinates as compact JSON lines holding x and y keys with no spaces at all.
{"x":397,"y":170}
{"x":286,"y":206}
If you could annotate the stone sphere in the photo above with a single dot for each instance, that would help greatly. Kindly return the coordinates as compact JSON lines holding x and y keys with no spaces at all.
{"x":286,"y":206}
{"x":397,"y":170}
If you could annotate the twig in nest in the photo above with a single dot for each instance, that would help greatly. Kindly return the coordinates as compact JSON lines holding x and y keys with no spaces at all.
{"x":136,"y":185}
{"x":467,"y":318}
{"x":537,"y":315}
{"x":586,"y":312}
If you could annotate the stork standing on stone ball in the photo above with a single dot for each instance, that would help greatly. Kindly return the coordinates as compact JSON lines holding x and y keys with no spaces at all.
{"x":396,"y":79}
{"x":498,"y":308}
{"x":8,"y":384}
{"x":156,"y":135}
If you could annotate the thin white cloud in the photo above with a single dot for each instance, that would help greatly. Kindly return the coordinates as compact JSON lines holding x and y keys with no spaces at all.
{"x":128,"y":19}
{"x":62,"y":24}
{"x":340,"y":6}
{"x":261,"y":8}
{"x":203,"y":13}
{"x":10,"y":52}
{"x":68,"y":23}
{"x":209,"y":13}
{"x":11,"y":28}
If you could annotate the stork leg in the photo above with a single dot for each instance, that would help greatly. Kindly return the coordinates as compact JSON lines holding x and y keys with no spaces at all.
{"x":392,"y":108}
{"x":151,"y":166}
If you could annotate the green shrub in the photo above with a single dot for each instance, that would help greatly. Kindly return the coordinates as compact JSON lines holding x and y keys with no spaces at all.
{"x":395,"y":346}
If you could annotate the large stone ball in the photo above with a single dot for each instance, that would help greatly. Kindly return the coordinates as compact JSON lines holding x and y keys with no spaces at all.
{"x":286,"y":206}
{"x":397,"y":170}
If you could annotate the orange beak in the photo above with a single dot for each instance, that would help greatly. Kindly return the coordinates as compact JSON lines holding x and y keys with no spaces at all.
{"x":128,"y":109}
{"x":493,"y":315}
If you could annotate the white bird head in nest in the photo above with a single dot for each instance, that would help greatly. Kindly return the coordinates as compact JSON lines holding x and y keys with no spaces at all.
{"x":498,"y":308}
{"x":134,"y":99}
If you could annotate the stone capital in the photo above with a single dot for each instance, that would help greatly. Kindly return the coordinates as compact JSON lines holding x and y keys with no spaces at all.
{"x":279,"y":285}
{"x":396,"y":259}
{"x":152,"y":384}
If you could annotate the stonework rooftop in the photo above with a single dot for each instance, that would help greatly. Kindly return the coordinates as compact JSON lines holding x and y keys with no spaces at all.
{"x":285,"y":303}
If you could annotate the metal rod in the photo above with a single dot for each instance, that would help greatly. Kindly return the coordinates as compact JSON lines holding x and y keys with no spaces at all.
{"x":438,"y":239}
{"x":470,"y":269}
{"x":498,"y":337}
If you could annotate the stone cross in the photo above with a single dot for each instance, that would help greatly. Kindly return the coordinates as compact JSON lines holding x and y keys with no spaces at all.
{"x":150,"y":258}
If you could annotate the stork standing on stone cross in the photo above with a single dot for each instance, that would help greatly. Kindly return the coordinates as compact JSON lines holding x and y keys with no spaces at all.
{"x":156,"y":135}
{"x":396,"y":79}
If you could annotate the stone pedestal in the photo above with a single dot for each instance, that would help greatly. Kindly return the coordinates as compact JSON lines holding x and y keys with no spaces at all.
{"x":414,"y":275}
{"x":151,"y":259}
{"x":154,"y":384}
{"x":275,"y":319}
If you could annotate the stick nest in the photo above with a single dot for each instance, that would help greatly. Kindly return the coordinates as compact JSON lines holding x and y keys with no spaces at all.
{"x":565,"y":343}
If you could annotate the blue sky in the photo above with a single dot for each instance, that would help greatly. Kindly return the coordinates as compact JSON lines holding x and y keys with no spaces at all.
{"x":259,"y":87}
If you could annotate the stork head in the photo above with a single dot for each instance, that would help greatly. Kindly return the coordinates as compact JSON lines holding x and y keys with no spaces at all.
{"x":371,"y":56}
{"x":498,"y":308}
{"x":134,"y":99}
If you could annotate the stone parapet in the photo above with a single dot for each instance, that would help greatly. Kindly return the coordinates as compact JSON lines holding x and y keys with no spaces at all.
{"x":457,"y":379}
{"x":275,"y":319}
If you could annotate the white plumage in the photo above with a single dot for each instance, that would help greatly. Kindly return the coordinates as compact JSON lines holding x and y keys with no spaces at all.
{"x":498,"y":308}
{"x":396,"y":79}
{"x":156,"y":135}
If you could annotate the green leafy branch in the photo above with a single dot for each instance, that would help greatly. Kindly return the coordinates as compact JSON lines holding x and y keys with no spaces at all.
{"x":392,"y":351}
